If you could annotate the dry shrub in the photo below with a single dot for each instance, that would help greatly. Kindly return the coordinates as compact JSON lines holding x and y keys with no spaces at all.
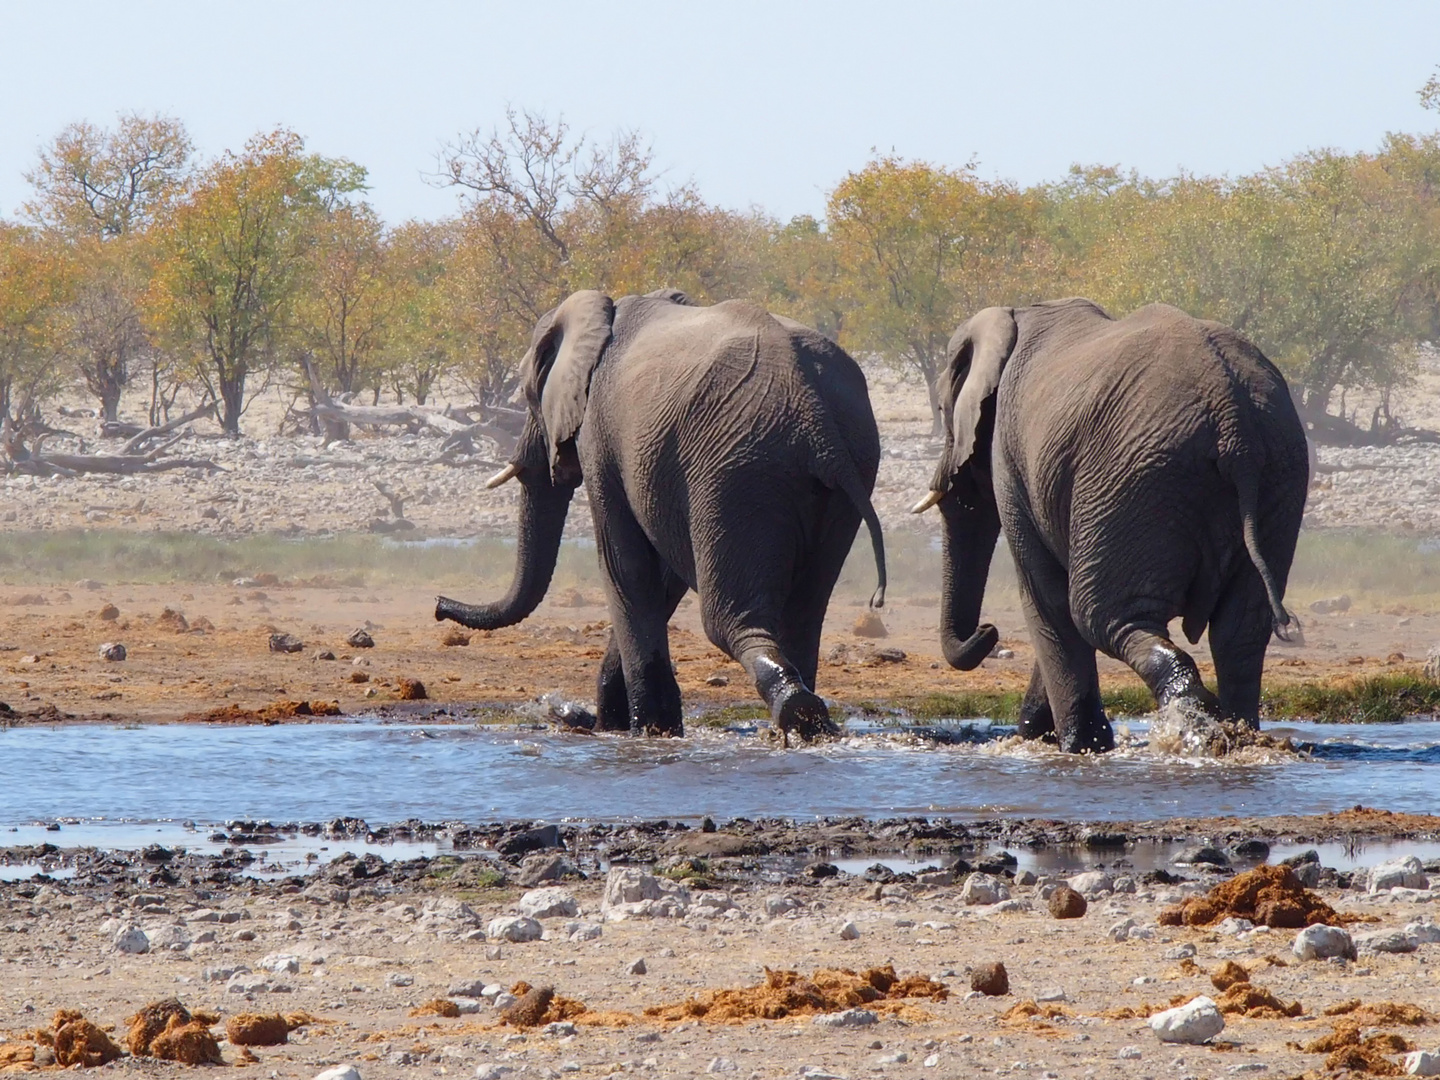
{"x":151,"y":1021}
{"x":787,"y":993}
{"x":189,"y":1044}
{"x":437,"y":1007}
{"x":1267,"y":896}
{"x":257,"y":1029}
{"x":1228,"y":974}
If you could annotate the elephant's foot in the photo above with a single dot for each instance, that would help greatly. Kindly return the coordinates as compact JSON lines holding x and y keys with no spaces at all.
{"x":612,"y":698}
{"x":805,"y":714}
{"x":1037,"y":721}
{"x":1092,"y":738}
{"x":1172,"y":676}
{"x":655,"y":701}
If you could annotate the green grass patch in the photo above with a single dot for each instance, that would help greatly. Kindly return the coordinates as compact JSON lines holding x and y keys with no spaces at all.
{"x":1373,"y":699}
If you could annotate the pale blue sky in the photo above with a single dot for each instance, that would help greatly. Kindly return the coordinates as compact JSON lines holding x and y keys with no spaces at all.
{"x":763,"y":104}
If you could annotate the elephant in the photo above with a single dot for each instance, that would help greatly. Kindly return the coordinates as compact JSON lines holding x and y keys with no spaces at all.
{"x":1143,"y":469}
{"x":723,"y":449}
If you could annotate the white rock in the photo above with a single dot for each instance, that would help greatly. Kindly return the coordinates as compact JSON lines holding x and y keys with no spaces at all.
{"x":399,"y":978}
{"x":549,"y":903}
{"x":847,"y":1018}
{"x":849,"y":932}
{"x":1092,"y":883}
{"x":281,"y":964}
{"x":1233,"y":926}
{"x":983,"y":889}
{"x":932,"y":1061}
{"x":819,"y":1072}
{"x":583,"y":931}
{"x":1129,"y":1053}
{"x":1053,"y":994}
{"x":721,"y":1065}
{"x":1422,"y":1063}
{"x":468,"y":988}
{"x":168,"y":937}
{"x":1405,"y":873}
{"x":632,"y":893}
{"x":1179,"y":952}
{"x":1388,"y":941}
{"x":1121,"y":930}
{"x":247,"y":984}
{"x":491,"y":1071}
{"x":779,"y":905}
{"x":515,"y":928}
{"x":1320,"y":942}
{"x":467,"y":1005}
{"x":131,"y":939}
{"x":1195,"y":1022}
{"x":492,"y":991}
{"x":1425,"y":933}
{"x":504,"y":1000}
{"x":339,"y":1072}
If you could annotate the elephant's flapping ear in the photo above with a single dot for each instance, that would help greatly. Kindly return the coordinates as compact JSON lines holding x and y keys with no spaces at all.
{"x":565,"y":349}
{"x":975,"y":360}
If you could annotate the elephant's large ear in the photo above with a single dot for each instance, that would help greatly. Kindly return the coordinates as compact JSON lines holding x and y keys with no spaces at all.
{"x":565,"y":350}
{"x":975,"y":360}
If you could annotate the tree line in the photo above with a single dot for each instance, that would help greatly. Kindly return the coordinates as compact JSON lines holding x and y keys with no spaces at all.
{"x":135,"y":264}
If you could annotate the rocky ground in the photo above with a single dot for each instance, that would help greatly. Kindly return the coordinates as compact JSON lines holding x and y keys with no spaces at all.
{"x":365,"y":957}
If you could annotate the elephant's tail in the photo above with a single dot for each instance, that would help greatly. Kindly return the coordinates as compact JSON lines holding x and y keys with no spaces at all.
{"x":1248,"y":488}
{"x":849,"y":482}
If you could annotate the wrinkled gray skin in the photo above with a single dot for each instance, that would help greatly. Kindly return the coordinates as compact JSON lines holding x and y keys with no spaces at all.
{"x":723,"y":450}
{"x":1143,"y":470}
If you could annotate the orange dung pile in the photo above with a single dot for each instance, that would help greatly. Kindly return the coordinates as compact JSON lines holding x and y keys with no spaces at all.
{"x":787,"y":993}
{"x":1267,"y":896}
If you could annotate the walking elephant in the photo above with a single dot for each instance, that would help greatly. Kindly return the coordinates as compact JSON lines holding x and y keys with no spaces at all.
{"x":723,"y":449}
{"x":1143,"y":469}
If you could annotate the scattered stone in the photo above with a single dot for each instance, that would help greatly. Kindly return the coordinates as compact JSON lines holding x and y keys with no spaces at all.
{"x":548,"y":903}
{"x":1129,"y":1053}
{"x":1051,"y":996}
{"x":489,"y":1071}
{"x":514,"y":928}
{"x":846,"y":1018}
{"x":339,"y":1072}
{"x":1387,"y":941}
{"x":112,"y":651}
{"x":721,"y":1065}
{"x":131,"y":940}
{"x":1425,"y":932}
{"x":776,"y":906}
{"x":849,"y":931}
{"x":1331,"y":605}
{"x":324,"y":654}
{"x":1422,"y":1063}
{"x":1066,"y":903}
{"x":109,"y":613}
{"x":636,"y":967}
{"x":1404,"y":873}
{"x":1193,"y":856}
{"x":1092,"y":883}
{"x":632,"y":893}
{"x":1321,"y":942}
{"x":992,"y":980}
{"x":286,"y":643}
{"x":1179,"y":952}
{"x":360,"y":639}
{"x":983,"y":889}
{"x":1195,"y":1022}
{"x":539,"y":868}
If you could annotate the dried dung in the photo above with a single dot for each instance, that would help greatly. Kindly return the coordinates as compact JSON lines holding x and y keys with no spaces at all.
{"x":172,"y":620}
{"x":1029,"y":1009}
{"x":255,"y":1029}
{"x":16,"y":1056}
{"x":1256,"y":1003}
{"x":869,"y":625}
{"x":151,"y":1021}
{"x":1066,"y":903}
{"x":437,"y":1007}
{"x":189,"y":1044}
{"x":79,"y":1042}
{"x":787,"y":993}
{"x":992,"y":980}
{"x":530,"y":1009}
{"x":109,"y":613}
{"x":1358,"y":1059}
{"x":455,"y":637}
{"x":1267,"y":896}
{"x":246,"y":1057}
{"x":276,"y":710}
{"x":410,"y":690}
{"x":1382,"y":1012}
{"x":1228,"y":974}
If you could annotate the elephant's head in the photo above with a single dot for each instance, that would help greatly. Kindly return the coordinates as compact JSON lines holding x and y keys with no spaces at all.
{"x":962,"y":488}
{"x":565,"y":349}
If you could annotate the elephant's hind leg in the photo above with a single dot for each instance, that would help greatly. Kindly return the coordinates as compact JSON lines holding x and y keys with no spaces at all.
{"x":1168,"y":670}
{"x":1037,"y":720}
{"x":612,"y":696}
{"x":1240,"y":629}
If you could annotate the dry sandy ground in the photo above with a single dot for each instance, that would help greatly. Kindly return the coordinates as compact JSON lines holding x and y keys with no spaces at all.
{"x":49,"y":651}
{"x":366,"y":959}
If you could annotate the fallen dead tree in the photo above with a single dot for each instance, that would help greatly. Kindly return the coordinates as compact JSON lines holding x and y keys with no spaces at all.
{"x":35,"y":461}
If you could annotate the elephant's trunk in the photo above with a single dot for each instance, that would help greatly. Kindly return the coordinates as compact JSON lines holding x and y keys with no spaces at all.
{"x":970,"y":533}
{"x":542,"y":522}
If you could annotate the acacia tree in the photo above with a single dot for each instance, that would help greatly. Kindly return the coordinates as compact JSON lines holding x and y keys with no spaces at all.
{"x":33,"y":288}
{"x":921,"y":248}
{"x":99,"y":190}
{"x":232,"y":256}
{"x":421,"y":347}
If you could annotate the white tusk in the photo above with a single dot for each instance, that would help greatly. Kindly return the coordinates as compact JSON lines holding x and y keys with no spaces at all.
{"x":927,"y":502}
{"x":504,"y":476}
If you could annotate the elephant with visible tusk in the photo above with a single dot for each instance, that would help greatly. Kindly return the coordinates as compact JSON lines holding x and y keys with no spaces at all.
{"x":1143,"y":469}
{"x":723,"y":449}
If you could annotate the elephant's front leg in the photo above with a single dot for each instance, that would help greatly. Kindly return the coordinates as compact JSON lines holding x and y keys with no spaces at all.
{"x":1037,"y":719}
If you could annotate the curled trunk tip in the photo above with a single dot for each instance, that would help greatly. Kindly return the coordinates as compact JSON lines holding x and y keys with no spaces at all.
{"x":966,"y":655}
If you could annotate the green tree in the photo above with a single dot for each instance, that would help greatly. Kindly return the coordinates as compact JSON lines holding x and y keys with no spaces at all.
{"x":33,"y":288}
{"x":233,"y":257}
